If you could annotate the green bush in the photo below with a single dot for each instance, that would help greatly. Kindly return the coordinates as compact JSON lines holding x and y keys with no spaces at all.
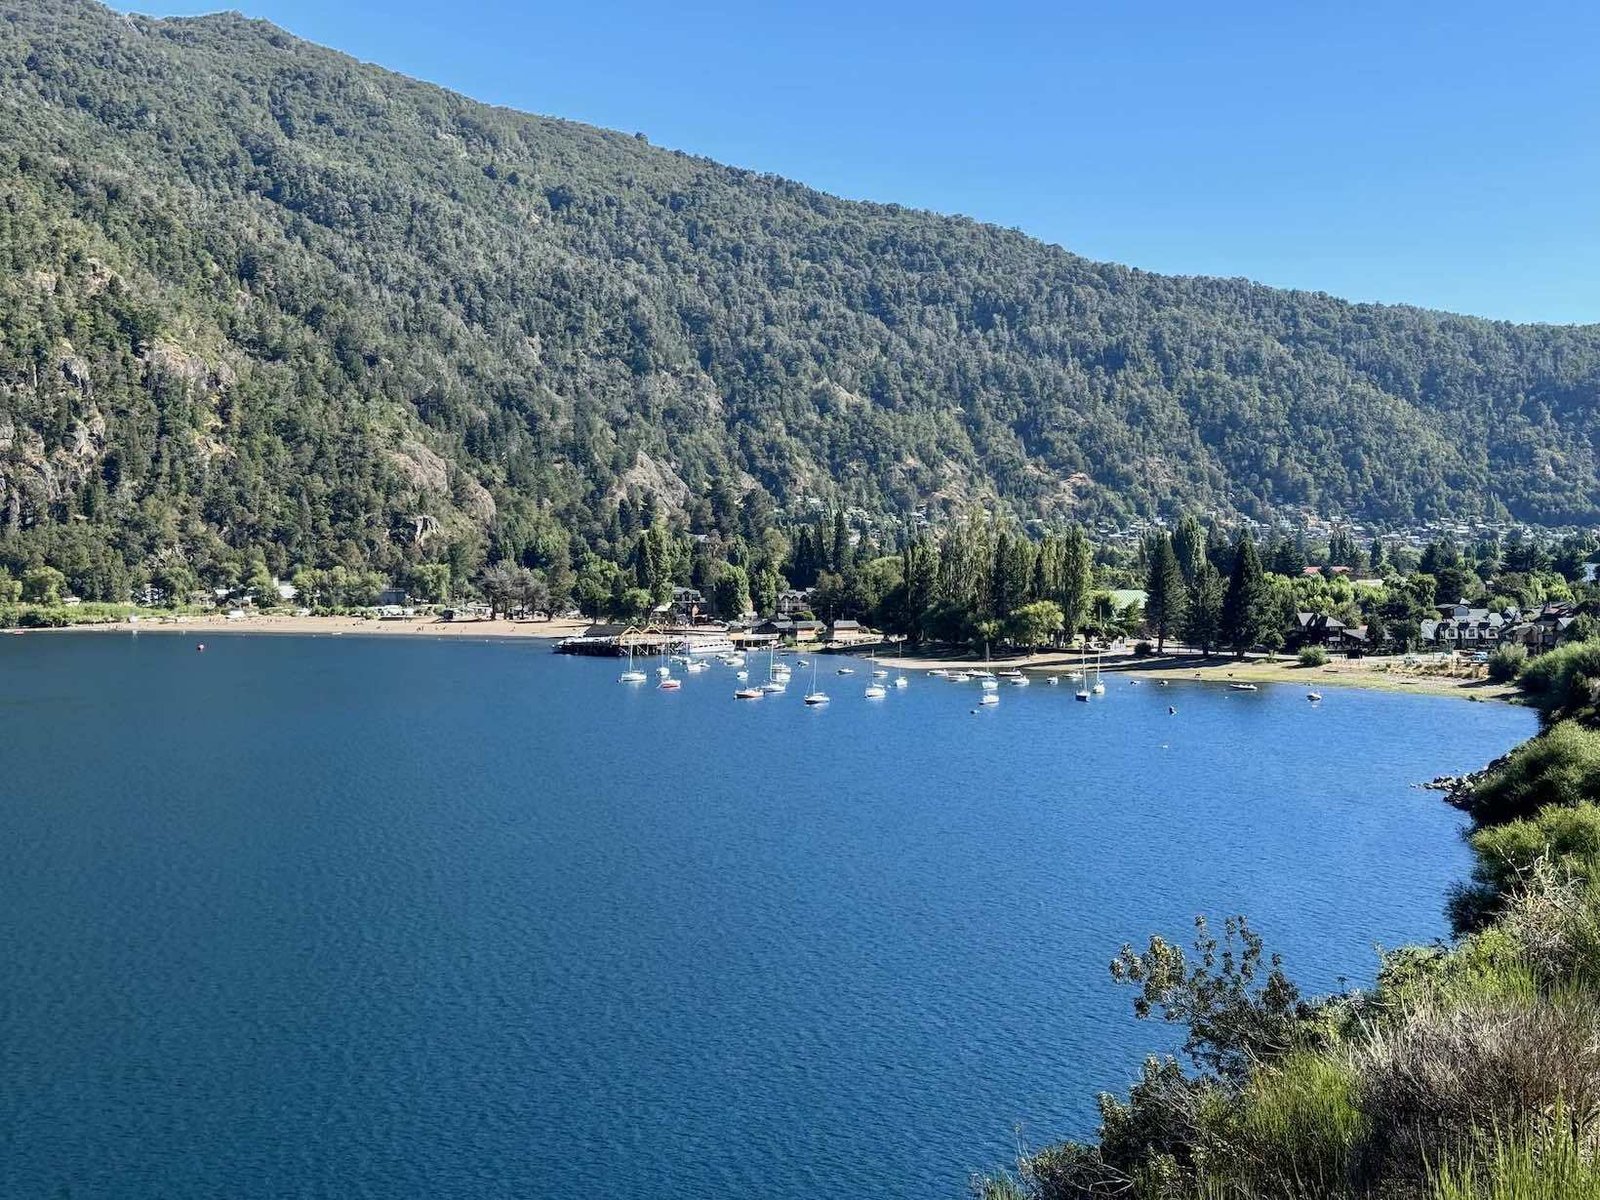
{"x":1568,"y":838}
{"x":1506,"y":662}
{"x":1564,"y":681}
{"x":1313,"y":656}
{"x":1560,"y":766}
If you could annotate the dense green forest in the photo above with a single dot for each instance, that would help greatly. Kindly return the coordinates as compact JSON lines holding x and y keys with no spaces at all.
{"x":264,"y":307}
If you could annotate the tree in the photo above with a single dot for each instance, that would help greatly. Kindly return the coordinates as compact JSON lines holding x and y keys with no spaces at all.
{"x":10,"y":589}
{"x":43,"y":585}
{"x":1203,"y":610}
{"x":731,"y":593}
{"x":1034,"y":624}
{"x":1077,"y":579}
{"x":764,"y":589}
{"x":1189,"y":544}
{"x":1244,"y":620}
{"x":1164,"y":592}
{"x":431,"y":582}
{"x":499,"y":584}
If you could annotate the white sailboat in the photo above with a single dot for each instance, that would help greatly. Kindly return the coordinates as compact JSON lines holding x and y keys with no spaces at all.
{"x":1082,"y":693}
{"x":816,"y":696}
{"x":775,"y":682}
{"x":875,"y":691}
{"x":1099,"y":688}
{"x":989,"y":698}
{"x":631,"y":675}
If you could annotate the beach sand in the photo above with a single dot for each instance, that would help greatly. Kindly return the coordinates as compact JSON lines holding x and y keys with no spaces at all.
{"x":1387,"y":674}
{"x":425,"y":626}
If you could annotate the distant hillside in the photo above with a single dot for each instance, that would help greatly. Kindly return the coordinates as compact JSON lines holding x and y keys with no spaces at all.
{"x":259,"y":296}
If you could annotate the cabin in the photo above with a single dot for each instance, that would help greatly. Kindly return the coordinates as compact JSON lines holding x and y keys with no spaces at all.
{"x":845,"y":630}
{"x":1542,"y":629}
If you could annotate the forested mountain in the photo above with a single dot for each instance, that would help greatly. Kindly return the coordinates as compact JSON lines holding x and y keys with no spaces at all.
{"x":260,"y":299}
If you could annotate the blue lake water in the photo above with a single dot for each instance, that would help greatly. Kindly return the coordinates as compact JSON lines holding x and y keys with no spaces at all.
{"x":372,"y":917}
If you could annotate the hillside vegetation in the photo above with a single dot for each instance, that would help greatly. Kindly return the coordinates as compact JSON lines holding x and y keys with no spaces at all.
{"x":264,"y":303}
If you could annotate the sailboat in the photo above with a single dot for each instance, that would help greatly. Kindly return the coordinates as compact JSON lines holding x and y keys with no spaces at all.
{"x":989,"y":698}
{"x":1099,"y":688}
{"x":631,"y":675}
{"x":875,"y":691}
{"x":816,"y":696}
{"x":1082,"y":693}
{"x":900,"y":680}
{"x":775,"y":682}
{"x":877,"y":671}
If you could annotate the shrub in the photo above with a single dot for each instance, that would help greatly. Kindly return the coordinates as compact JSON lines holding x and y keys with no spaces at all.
{"x":1142,"y":649}
{"x":1560,"y":766}
{"x":1565,"y":680}
{"x":1443,"y":1074}
{"x":1506,"y":662}
{"x":1313,"y":656}
{"x":1506,"y":855}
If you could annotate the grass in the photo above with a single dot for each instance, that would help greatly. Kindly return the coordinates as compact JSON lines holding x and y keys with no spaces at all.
{"x":1548,"y":1162}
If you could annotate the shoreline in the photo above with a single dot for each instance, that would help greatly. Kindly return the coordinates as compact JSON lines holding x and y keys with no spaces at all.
{"x":503,"y":629}
{"x":1386,"y":674}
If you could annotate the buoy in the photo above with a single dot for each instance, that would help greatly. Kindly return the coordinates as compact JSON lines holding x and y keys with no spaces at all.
{"x":1171,"y":712}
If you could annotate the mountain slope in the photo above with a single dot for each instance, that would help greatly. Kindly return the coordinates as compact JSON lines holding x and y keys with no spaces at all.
{"x":264,"y":297}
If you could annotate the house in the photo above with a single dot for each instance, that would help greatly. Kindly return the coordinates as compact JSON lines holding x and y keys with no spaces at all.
{"x":1315,"y":629}
{"x":685,"y":605}
{"x":807,"y":630}
{"x":778,"y":627}
{"x":393,"y":597}
{"x":844,"y":630}
{"x":1462,"y":627}
{"x":793,"y":602}
{"x":1542,"y":629}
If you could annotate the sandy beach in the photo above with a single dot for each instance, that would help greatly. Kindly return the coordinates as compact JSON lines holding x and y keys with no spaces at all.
{"x":1388,"y":674}
{"x":274,"y":623}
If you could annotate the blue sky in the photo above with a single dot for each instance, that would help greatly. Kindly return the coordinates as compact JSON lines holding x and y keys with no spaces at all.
{"x":1446,"y":155}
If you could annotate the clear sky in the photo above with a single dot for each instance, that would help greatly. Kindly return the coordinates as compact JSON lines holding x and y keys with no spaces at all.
{"x":1441,"y":154}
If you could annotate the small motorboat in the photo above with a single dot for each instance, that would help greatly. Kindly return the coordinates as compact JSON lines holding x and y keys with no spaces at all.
{"x":1243,"y":687}
{"x":669,"y":684}
{"x":1055,"y":681}
{"x":748,"y":694}
{"x":959,"y":677}
{"x":741,"y":676}
{"x":846,"y":671}
{"x":1017,"y":680}
{"x":694,"y":668}
{"x":990,"y":698}
{"x":1313,"y":696}
{"x":939,"y":673}
{"x":989,"y":683}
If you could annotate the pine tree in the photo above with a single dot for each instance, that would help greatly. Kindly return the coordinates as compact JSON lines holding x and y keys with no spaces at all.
{"x":1163,"y":605}
{"x":1244,"y":606}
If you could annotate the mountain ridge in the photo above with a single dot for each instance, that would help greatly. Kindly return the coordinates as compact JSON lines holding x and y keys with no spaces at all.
{"x":313,"y":274}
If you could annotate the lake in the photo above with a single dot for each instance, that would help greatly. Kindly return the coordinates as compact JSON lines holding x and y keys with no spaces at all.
{"x":350,"y":916}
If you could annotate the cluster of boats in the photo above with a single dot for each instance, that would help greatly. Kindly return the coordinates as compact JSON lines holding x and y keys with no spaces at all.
{"x":778,"y":675}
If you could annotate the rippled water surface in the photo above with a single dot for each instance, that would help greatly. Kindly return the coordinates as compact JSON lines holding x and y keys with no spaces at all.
{"x":369,"y":917}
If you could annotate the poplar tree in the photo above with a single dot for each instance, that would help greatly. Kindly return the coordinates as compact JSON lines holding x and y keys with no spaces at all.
{"x":1163,"y":604}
